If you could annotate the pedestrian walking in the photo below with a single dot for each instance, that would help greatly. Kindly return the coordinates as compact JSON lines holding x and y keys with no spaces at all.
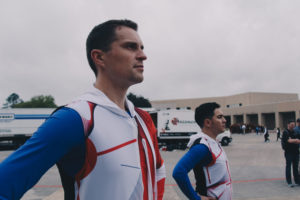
{"x":278,"y":134}
{"x":266,"y":134}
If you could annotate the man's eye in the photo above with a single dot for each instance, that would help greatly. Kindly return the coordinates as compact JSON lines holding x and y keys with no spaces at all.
{"x":132,"y":46}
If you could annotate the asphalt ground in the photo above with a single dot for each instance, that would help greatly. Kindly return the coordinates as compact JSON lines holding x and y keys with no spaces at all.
{"x":257,"y":170}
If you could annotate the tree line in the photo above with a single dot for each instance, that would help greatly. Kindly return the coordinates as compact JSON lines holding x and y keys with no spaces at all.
{"x":48,"y":101}
{"x":40,"y":101}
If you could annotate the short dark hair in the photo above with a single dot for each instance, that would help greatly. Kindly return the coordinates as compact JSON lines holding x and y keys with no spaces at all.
{"x":103,"y":35}
{"x":291,"y":121}
{"x":205,"y":111}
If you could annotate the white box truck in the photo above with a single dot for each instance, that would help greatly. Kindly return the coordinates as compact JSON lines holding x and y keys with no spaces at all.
{"x":175,"y":126}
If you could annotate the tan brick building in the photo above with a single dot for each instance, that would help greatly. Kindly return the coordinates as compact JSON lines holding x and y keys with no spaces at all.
{"x":267,"y":109}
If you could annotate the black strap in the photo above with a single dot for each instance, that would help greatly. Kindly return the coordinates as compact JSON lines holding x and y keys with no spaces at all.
{"x":199,"y":175}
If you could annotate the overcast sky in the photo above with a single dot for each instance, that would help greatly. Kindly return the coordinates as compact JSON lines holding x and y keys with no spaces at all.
{"x":195,"y":48}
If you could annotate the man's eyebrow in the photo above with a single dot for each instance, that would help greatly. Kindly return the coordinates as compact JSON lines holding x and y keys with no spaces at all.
{"x":130,"y":43}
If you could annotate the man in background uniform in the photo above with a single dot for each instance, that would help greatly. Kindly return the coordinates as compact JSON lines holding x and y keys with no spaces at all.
{"x":207,"y":158}
{"x":290,"y":144}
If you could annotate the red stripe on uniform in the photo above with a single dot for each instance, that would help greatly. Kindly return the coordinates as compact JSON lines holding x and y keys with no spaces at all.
{"x":208,"y":176}
{"x":116,"y":147}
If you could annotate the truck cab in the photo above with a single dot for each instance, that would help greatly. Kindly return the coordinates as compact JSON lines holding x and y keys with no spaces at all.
{"x":224,"y":138}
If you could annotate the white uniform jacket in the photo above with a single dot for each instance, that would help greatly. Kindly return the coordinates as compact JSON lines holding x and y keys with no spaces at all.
{"x":112,"y":168}
{"x":217,"y":174}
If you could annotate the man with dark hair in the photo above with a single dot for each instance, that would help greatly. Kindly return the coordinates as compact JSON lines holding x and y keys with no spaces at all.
{"x":104,"y":147}
{"x":103,"y":35}
{"x":206,"y":157}
{"x":290,"y":144}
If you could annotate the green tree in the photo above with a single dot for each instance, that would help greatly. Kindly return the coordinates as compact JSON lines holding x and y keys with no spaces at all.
{"x":139,"y":101}
{"x":40,"y":101}
{"x":12,"y":100}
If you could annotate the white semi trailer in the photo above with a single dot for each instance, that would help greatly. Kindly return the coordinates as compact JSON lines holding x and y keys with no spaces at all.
{"x":17,"y":125}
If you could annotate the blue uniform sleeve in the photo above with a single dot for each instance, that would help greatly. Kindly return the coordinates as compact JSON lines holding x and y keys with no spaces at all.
{"x":198,"y":154}
{"x":54,"y":138}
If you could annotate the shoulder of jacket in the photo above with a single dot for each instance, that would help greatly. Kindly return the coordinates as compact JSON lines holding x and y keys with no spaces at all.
{"x":82,"y":107}
{"x":197,"y":141}
{"x":201,"y":140}
{"x":143,"y":114}
{"x":86,"y":111}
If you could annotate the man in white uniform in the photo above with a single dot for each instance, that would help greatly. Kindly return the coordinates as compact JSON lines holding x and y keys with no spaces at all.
{"x":206,"y":157}
{"x":104,"y":147}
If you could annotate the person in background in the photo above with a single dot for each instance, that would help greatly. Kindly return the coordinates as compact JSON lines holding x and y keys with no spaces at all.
{"x":206,"y":157}
{"x":266,"y":134}
{"x":257,"y":130}
{"x":290,"y":144}
{"x":278,"y":134}
{"x":297,"y":128}
{"x":244,"y":129}
{"x":104,"y":147}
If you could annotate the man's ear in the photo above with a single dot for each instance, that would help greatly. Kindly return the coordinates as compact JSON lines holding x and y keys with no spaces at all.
{"x":97,"y":57}
{"x":207,"y":123}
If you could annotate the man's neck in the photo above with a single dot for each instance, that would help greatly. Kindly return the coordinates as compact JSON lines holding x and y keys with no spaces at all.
{"x":290,"y":130}
{"x":115,"y":94}
{"x":209,"y":133}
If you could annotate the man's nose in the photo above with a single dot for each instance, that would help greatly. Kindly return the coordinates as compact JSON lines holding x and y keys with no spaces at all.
{"x":141,"y":55}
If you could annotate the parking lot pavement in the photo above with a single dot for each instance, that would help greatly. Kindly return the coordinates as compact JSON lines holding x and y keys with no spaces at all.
{"x":257,"y":170}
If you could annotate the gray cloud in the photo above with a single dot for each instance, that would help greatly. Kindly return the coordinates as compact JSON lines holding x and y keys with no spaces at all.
{"x":195,"y":48}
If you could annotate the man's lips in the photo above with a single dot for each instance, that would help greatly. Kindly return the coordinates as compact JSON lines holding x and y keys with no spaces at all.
{"x":141,"y":67}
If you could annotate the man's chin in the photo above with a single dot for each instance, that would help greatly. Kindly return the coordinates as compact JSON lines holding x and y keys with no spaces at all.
{"x":137,"y":80}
